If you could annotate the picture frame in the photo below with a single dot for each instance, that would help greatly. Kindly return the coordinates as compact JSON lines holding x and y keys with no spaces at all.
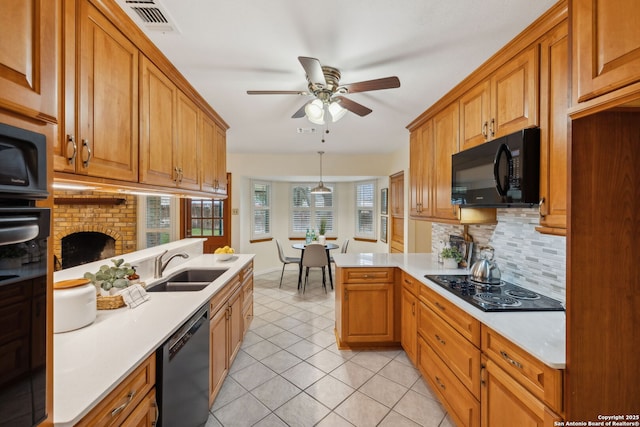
{"x":384,"y":201}
{"x":383,"y":229}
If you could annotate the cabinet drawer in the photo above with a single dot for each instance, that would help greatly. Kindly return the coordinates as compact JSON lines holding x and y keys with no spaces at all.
{"x":117,"y":406}
{"x":247,"y":289}
{"x":541,"y":380}
{"x":410,"y":283}
{"x":367,"y":275}
{"x":247,"y":271}
{"x":458,"y":319}
{"x":461,"y":405}
{"x":462,"y":357}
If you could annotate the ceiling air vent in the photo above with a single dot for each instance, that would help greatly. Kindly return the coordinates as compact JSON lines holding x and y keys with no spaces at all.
{"x":152,"y":15}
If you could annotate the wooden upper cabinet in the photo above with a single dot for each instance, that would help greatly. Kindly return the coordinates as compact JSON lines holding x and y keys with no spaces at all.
{"x":554,"y":104}
{"x":158,"y":97}
{"x":475,"y":106}
{"x":107,"y":141}
{"x":606,"y":46}
{"x":214,"y":153}
{"x":445,"y":138}
{"x":28,"y":58}
{"x":504,"y":103}
{"x":187,"y":147}
{"x":421,"y":146}
{"x":514,"y":94}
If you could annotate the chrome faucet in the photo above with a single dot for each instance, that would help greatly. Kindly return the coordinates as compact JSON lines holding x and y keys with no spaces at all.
{"x":159,"y":266}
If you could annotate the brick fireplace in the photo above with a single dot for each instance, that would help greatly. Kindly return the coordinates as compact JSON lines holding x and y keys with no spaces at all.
{"x":90,"y":219}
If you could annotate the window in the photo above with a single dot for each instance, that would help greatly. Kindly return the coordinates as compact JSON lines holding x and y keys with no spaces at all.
{"x":158,"y":219}
{"x":307,"y":210}
{"x":365,"y":209}
{"x":207,"y":218}
{"x":260,"y":210}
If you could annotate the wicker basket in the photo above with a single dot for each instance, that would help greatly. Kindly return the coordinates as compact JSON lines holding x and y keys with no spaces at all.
{"x":110,"y":302}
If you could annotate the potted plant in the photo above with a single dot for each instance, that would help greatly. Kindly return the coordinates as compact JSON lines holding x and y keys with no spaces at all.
{"x":451,"y":256}
{"x":321,"y":230}
{"x":108,"y":279}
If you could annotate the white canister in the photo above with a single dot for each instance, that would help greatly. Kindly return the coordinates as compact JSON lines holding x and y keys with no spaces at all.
{"x":74,"y":305}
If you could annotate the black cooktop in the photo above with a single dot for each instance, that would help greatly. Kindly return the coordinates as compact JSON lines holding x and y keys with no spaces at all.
{"x":500,"y":296}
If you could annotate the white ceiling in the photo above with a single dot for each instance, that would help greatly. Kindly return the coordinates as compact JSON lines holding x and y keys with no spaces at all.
{"x":226,"y":47}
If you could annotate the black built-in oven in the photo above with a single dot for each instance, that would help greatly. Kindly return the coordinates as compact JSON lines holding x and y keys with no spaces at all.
{"x":24,"y":229}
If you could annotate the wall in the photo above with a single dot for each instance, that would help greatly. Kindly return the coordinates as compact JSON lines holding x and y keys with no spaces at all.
{"x":281,"y":169}
{"x":525,"y":257}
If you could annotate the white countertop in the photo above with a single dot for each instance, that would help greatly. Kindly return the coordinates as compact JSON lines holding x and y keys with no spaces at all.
{"x":90,"y":362}
{"x":541,"y":333}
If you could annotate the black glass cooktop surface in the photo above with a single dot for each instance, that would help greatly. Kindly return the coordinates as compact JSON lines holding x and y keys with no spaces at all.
{"x":501,"y":296}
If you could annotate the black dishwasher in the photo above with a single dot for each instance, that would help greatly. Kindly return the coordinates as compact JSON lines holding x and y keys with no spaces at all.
{"x":183,"y":374}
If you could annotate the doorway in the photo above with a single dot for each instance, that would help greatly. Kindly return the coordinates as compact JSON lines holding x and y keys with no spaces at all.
{"x":209,"y":219}
{"x":396,"y":196}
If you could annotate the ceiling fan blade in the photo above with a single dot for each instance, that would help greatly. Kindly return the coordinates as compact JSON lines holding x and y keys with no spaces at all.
{"x":352,"y":106}
{"x":300,"y":113}
{"x":313,"y":69}
{"x":377,"y":84}
{"x":277,"y":92}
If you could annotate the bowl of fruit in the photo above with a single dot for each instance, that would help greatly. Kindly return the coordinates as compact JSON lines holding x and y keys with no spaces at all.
{"x":224,"y":254}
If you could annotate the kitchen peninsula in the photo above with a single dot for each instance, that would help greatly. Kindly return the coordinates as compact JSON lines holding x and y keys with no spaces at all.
{"x":89,"y":363}
{"x":472,"y":359}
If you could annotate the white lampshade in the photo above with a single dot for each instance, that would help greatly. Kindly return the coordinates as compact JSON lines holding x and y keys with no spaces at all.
{"x":337,"y":112}
{"x":315,"y":112}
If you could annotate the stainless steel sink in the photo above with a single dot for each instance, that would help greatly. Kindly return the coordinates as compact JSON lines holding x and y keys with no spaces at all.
{"x":187,"y":281}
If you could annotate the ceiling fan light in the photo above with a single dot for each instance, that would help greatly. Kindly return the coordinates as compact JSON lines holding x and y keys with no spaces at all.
{"x":315,"y":112}
{"x":336,"y":110}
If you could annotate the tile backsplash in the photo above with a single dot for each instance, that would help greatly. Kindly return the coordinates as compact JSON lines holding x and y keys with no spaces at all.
{"x":525,"y":257}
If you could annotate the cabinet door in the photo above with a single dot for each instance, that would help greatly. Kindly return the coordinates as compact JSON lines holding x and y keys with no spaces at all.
{"x":187,"y":148}
{"x":236,"y":331}
{"x":475,"y":113}
{"x":157,"y":125}
{"x":504,"y":400}
{"x":408,"y":323}
{"x":514,"y":94}
{"x":208,"y":136}
{"x":368,"y":313}
{"x":416,"y":159}
{"x":445,"y":144}
{"x":606,"y":46}
{"x":145,"y":414}
{"x":28,"y":58}
{"x":108,"y":108}
{"x":221,"y":160}
{"x":218,"y":351}
{"x":554,"y":124}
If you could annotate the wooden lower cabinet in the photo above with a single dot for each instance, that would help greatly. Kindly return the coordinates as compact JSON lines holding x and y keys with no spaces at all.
{"x":504,"y":401}
{"x":365,"y":307}
{"x":131,"y":403}
{"x":462,"y":406}
{"x":228,"y":321}
{"x":409,"y":334}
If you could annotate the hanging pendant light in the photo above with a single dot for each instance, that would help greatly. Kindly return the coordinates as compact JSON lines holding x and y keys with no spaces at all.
{"x":320,"y":188}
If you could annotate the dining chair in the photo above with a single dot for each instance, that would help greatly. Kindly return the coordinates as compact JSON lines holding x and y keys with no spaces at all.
{"x":285,"y":260}
{"x":315,"y":255}
{"x":343,"y":249}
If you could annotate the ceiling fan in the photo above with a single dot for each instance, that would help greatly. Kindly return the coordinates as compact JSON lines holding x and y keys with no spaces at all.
{"x":324,"y":85}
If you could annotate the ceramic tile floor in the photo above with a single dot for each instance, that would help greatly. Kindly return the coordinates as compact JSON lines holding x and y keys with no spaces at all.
{"x":289,"y":371}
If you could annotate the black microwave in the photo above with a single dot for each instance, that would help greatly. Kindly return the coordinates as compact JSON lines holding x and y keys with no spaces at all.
{"x":504,"y":172}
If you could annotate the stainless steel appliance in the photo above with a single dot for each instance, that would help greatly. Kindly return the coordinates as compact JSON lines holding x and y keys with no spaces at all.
{"x":183,"y":374}
{"x":24,"y":230}
{"x":504,"y":172}
{"x":502,"y":296}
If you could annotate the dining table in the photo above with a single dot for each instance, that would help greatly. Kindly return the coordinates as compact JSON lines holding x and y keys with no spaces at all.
{"x":328,"y":247}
